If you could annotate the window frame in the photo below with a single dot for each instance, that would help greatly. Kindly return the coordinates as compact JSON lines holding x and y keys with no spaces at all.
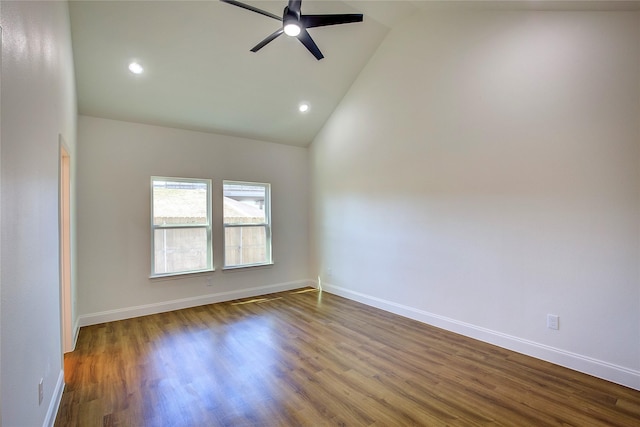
{"x":267,"y":225}
{"x":208,"y":227}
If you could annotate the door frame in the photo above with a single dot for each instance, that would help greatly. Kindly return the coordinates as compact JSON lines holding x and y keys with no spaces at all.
{"x":66,"y":296}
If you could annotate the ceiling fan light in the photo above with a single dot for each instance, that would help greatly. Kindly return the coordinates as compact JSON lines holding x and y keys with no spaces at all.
{"x":292,"y":29}
{"x":136,"y":68}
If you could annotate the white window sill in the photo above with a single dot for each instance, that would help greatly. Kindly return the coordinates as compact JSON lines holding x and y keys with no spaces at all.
{"x":242,"y":267}
{"x":182,"y":274}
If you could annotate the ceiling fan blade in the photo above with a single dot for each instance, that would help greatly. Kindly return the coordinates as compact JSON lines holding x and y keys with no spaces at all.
{"x":311,"y":21}
{"x":294,"y":6}
{"x":308,"y":42}
{"x":253,"y":9}
{"x":267,"y":40}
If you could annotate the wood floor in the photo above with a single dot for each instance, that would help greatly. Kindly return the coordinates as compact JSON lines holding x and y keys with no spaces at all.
{"x":304,"y":358}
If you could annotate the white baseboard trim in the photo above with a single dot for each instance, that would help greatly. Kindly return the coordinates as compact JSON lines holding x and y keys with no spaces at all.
{"x":54,"y":405}
{"x":76,"y":332}
{"x":162,"y":307}
{"x":597,"y":368}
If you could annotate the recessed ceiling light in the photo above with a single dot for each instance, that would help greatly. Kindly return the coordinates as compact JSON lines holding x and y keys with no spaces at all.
{"x":136,"y":68}
{"x":304,"y":107}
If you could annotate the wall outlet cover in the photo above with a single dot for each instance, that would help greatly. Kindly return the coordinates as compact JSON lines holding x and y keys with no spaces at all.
{"x":553,"y":321}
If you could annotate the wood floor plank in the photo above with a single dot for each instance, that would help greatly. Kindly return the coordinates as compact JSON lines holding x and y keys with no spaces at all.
{"x":306,"y":358}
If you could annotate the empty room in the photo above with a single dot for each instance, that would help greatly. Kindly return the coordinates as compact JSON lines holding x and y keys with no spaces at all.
{"x":317,"y":212}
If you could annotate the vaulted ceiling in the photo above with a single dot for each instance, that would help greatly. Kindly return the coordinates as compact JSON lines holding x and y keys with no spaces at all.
{"x":199,"y":71}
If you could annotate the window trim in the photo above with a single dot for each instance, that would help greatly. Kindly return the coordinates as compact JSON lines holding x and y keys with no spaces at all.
{"x":267,"y":225}
{"x":208,"y":227}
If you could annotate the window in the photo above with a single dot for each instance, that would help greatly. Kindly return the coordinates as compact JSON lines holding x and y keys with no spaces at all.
{"x":247,"y":224}
{"x":180,"y":226}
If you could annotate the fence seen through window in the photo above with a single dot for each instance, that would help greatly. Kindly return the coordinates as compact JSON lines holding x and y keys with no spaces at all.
{"x":247,"y":224}
{"x":181,"y":225}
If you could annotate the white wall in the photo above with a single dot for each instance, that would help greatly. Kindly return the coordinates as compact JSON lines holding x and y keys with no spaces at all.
{"x":116,"y":161}
{"x":38,"y":105}
{"x":483,"y":171}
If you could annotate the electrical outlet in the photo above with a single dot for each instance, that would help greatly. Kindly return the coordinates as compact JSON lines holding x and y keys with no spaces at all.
{"x":40,"y":391}
{"x":553,"y":321}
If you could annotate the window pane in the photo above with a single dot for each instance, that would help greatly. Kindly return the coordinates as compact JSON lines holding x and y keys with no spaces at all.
{"x":178,"y":250}
{"x":245,"y":246}
{"x":179,"y":202}
{"x":244,"y":203}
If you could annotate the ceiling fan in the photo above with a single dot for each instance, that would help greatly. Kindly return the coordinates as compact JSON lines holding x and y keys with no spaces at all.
{"x":295,"y":24}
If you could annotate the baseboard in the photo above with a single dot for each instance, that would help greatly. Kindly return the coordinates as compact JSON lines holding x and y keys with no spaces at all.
{"x":597,"y":368}
{"x":162,"y":307}
{"x":50,"y":419}
{"x":76,"y":332}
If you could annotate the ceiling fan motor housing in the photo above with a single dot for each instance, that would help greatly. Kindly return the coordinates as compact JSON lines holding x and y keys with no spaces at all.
{"x":290,"y":15}
{"x":291,"y":18}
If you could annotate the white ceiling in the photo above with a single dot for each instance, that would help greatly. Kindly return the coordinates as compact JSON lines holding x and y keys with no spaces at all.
{"x":200,"y":74}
